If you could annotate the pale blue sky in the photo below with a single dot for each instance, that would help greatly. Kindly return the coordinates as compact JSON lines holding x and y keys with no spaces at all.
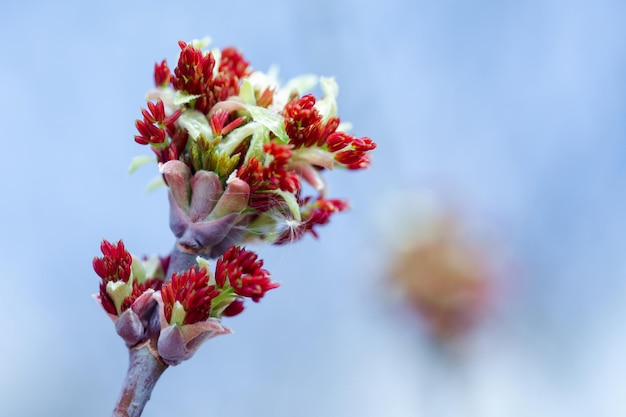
{"x":517,"y":108}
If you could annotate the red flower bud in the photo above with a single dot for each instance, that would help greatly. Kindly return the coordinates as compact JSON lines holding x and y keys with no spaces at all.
{"x":244,"y":272}
{"x":192,"y":290}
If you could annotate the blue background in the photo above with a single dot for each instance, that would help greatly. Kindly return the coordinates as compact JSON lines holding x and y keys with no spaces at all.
{"x":515,"y":108}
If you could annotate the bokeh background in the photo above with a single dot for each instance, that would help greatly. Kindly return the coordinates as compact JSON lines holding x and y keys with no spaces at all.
{"x":514,"y":111}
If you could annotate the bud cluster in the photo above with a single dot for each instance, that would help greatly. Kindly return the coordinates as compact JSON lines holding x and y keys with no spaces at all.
{"x":234,"y":148}
{"x":174,"y":316}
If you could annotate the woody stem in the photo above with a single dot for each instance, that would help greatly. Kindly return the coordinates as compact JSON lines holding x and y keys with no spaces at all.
{"x":179,"y":261}
{"x":144,"y":370}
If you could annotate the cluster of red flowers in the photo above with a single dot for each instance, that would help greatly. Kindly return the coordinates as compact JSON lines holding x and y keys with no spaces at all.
{"x":209,"y":84}
{"x":238,"y":271}
{"x":349,"y":150}
{"x":197,"y":116}
{"x":274,"y":176}
{"x":192,"y":290}
{"x":243,"y":271}
{"x":115,"y":266}
{"x":303,"y":123}
{"x":195,"y":75}
{"x":305,"y":128}
{"x":234,"y":150}
{"x":156,"y":128}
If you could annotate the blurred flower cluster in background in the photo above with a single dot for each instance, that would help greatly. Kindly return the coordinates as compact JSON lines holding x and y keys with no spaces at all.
{"x":514,"y":109}
{"x":444,"y":275}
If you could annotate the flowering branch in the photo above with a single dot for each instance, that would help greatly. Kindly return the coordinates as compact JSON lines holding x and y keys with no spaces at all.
{"x":233,"y":149}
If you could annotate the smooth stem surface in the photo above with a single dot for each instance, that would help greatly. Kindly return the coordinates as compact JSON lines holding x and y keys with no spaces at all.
{"x":179,"y":261}
{"x":143,"y":373}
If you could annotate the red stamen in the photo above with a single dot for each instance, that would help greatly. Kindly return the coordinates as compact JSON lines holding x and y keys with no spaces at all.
{"x":244,"y":272}
{"x":217,"y":121}
{"x":349,"y":150}
{"x":274,"y":176}
{"x":233,"y":62}
{"x":233,"y":308}
{"x":115,"y":264}
{"x":192,"y":290}
{"x":266,"y":98}
{"x":303,"y":121}
{"x":162,"y":74}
